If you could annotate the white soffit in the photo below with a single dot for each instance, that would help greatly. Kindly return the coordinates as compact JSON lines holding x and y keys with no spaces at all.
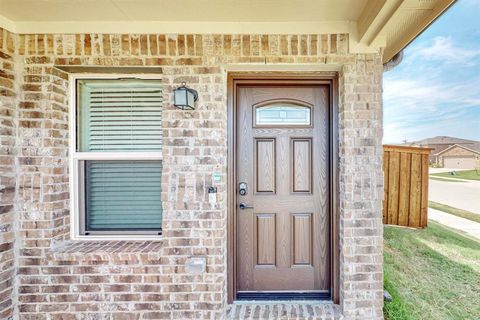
{"x":182,"y":10}
{"x":181,"y":16}
{"x":412,"y":17}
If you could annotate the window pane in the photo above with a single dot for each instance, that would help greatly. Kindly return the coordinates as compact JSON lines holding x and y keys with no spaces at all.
{"x":282,"y":114}
{"x":123,"y":195}
{"x":119,"y":115}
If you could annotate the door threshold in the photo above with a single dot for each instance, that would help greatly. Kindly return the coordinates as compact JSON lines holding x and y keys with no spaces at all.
{"x":285,"y":302}
{"x":284,"y":296}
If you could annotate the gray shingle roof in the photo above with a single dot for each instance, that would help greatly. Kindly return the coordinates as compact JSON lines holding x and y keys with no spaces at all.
{"x":440,"y":143}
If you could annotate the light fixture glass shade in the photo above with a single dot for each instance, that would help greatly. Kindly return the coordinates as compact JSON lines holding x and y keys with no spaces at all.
{"x":184,"y":98}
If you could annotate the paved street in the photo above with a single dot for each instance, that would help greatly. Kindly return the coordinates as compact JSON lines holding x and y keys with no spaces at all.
{"x":469,"y":227}
{"x":462,"y":195}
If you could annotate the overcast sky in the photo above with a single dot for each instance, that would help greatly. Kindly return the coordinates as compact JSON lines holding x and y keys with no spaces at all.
{"x":435,"y":91}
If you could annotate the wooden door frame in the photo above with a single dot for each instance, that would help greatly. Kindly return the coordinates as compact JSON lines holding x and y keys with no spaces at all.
{"x":329,"y":79}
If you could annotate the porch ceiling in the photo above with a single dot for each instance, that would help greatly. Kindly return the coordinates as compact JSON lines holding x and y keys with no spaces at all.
{"x":371,"y":24}
{"x":182,"y":10}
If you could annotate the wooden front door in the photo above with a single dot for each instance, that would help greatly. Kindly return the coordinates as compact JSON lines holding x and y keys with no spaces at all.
{"x":282,"y":205}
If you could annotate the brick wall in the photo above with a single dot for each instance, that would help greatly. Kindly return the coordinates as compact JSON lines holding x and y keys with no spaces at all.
{"x":361,"y":188}
{"x":7,"y":172}
{"x":62,"y":279}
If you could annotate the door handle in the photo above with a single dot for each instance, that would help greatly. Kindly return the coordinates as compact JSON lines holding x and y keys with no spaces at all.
{"x":244,"y":206}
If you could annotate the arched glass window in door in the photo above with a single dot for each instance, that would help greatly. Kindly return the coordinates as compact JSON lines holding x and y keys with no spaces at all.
{"x":283,"y":113}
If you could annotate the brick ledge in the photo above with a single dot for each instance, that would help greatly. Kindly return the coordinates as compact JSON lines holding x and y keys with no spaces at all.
{"x":79,"y":247}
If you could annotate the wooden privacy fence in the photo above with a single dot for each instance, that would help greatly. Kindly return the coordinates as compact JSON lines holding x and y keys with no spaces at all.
{"x":406,"y":186}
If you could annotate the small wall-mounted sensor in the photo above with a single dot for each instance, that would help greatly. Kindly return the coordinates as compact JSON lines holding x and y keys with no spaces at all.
{"x":196,"y":265}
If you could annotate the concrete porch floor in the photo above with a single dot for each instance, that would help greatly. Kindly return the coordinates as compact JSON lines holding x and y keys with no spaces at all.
{"x":285,"y":310}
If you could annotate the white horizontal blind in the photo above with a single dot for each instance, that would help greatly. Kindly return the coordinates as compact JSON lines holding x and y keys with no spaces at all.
{"x":123,"y":195}
{"x":120,"y":115}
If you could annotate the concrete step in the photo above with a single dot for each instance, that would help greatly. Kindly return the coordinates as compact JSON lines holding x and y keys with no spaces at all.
{"x":285,"y":310}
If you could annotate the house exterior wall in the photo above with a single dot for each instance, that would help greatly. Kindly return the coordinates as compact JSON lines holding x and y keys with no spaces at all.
{"x":459,"y":162}
{"x":58,"y":278}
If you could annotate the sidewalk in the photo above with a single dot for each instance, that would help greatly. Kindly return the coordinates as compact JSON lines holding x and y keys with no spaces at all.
{"x":469,"y":227}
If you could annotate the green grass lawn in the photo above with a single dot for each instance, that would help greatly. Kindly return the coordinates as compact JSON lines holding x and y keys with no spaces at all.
{"x":464,"y":174}
{"x":455,"y":211}
{"x":432,"y":273}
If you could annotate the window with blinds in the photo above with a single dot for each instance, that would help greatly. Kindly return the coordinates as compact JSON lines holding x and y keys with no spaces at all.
{"x":119,"y":128}
{"x":120,"y":115}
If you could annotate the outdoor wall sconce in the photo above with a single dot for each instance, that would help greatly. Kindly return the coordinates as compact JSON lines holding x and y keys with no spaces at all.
{"x":184,"y":98}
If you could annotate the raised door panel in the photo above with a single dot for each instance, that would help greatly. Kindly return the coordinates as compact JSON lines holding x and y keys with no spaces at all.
{"x":301,"y":164}
{"x":266,"y":239}
{"x":302,"y":238}
{"x":265,"y":165}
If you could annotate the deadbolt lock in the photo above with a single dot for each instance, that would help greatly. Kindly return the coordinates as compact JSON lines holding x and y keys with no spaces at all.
{"x":242,"y":188}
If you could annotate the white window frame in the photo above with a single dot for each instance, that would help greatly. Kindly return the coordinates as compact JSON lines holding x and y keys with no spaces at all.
{"x":75,"y":158}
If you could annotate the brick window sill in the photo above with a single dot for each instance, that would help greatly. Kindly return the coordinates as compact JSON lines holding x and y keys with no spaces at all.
{"x":79,"y":248}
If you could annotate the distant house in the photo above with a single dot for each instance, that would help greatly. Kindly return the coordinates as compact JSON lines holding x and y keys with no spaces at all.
{"x":451,"y":152}
{"x":458,"y":157}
